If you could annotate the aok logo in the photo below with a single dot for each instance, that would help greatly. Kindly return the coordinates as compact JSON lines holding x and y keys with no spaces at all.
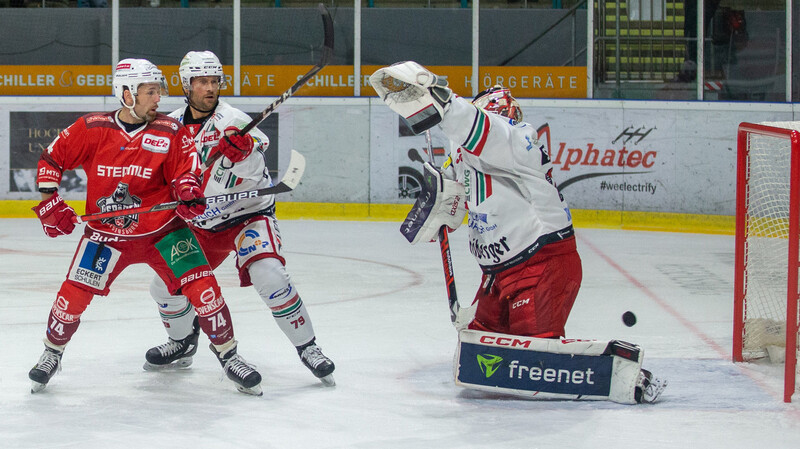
{"x":182,"y":249}
{"x":489,"y":364}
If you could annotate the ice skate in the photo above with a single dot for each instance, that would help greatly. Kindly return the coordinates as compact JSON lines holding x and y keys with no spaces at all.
{"x":174,"y":354}
{"x":47,"y":367}
{"x":236,"y":368}
{"x":321,"y":366}
{"x":648,"y":387}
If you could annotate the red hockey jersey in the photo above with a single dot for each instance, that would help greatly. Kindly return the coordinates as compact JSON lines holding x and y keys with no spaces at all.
{"x":124,"y":170}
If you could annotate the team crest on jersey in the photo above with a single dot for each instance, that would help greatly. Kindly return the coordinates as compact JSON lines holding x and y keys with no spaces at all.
{"x":156,"y":144}
{"x":119,"y":200}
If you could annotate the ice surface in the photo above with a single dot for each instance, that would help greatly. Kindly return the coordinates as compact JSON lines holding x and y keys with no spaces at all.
{"x":379,"y":310}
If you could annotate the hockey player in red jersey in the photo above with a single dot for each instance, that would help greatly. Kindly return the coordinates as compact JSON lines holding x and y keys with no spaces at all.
{"x":133,"y":156}
{"x":520,"y":227}
{"x":248,"y":227}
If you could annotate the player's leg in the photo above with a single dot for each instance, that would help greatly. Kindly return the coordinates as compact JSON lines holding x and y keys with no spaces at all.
{"x":491,"y":314}
{"x":64,"y":319}
{"x":541,"y":294}
{"x":178,"y":315}
{"x":273,"y":284}
{"x":263,"y":266}
{"x":94,"y":268}
{"x":180,"y":262}
{"x":182,"y":326}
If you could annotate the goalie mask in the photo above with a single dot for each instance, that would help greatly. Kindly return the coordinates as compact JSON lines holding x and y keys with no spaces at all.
{"x":498,"y":99}
{"x":131,"y":73}
{"x":200,"y":63}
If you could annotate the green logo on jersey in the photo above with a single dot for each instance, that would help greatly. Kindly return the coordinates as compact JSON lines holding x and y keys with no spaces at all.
{"x":489,"y":363}
{"x":181,"y":251}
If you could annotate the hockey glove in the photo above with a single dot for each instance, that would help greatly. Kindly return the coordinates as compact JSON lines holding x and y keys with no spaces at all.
{"x":56,"y":216}
{"x":186,"y":189}
{"x":414,"y":92}
{"x":441,"y":203}
{"x":235,"y":147}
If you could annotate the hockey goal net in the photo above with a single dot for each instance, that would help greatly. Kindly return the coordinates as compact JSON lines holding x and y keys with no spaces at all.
{"x":766,"y":250}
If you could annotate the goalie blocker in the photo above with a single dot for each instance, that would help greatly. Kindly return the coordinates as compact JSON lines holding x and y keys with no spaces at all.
{"x":548,"y":368}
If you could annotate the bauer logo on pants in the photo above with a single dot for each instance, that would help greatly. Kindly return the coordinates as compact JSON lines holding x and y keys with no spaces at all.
{"x":533,"y":371}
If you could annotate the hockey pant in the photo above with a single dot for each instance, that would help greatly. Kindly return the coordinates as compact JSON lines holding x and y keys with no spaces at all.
{"x":96,"y":265}
{"x":533,"y":298}
{"x":260,"y":264}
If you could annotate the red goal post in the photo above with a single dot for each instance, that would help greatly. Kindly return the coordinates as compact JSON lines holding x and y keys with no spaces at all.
{"x":765,"y":312}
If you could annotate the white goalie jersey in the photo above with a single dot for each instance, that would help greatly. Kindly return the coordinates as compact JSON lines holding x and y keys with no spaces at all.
{"x":224,"y":177}
{"x":514,"y":206}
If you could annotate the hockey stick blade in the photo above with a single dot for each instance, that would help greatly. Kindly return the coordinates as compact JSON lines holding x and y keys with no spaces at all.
{"x":327,"y":54}
{"x":294,"y":172}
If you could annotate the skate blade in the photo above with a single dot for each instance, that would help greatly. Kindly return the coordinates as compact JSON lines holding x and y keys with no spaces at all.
{"x":183,"y":363}
{"x":254,"y":391}
{"x":37,"y":387}
{"x":328,"y":380}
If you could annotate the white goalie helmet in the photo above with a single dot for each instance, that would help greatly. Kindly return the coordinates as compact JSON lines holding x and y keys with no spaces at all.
{"x":200,"y":63}
{"x":131,"y":73}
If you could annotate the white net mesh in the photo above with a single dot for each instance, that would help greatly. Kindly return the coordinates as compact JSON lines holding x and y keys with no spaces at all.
{"x":767,"y":244}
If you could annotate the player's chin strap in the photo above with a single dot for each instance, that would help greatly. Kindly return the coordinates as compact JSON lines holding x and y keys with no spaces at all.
{"x":130,"y":108}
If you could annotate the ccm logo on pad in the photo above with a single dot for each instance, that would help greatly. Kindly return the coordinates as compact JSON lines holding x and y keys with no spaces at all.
{"x":156,"y":144}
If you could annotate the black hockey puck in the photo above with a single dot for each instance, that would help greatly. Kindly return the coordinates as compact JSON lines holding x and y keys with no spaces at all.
{"x":629,"y":318}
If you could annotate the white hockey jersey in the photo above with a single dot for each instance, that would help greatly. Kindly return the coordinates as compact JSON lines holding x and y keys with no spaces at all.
{"x":514,"y":206}
{"x":249,"y":174}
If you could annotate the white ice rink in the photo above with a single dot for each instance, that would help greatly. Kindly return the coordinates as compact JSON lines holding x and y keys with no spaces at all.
{"x":379,"y":310}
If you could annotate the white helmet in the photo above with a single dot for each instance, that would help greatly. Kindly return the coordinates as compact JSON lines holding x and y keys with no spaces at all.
{"x":200,"y":63}
{"x":130,"y":73}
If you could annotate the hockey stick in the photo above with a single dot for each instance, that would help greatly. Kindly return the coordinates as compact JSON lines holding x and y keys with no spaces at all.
{"x":297,"y":165}
{"x":327,"y":53}
{"x":447,"y":260}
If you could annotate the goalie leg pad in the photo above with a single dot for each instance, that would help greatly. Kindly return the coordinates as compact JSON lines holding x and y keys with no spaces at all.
{"x":548,"y":368}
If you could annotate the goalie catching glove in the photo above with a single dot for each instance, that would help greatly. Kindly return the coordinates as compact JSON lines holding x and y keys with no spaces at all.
{"x":441,"y":203}
{"x":415,"y":93}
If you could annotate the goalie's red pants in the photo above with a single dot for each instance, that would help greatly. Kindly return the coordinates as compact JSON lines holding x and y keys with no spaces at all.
{"x":533,"y":298}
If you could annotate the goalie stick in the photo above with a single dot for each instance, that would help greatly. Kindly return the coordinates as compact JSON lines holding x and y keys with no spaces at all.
{"x":447,"y":259}
{"x":297,"y":165}
{"x":327,"y":53}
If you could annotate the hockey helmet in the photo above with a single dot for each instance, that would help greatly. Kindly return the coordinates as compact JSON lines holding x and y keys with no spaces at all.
{"x":130,"y":73}
{"x":200,"y":63}
{"x":498,"y":99}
